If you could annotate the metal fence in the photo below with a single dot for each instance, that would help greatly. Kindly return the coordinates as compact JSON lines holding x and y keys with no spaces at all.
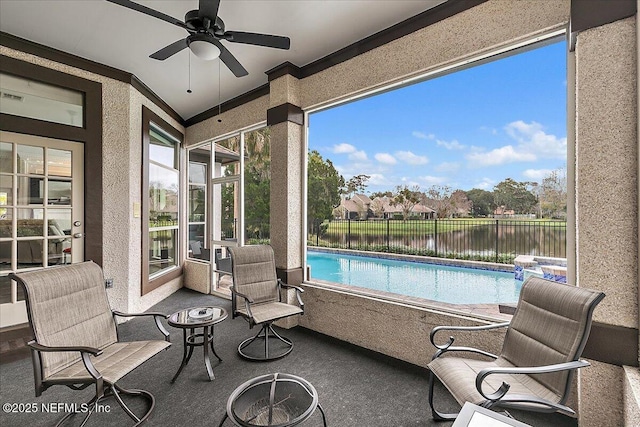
{"x":497,"y":240}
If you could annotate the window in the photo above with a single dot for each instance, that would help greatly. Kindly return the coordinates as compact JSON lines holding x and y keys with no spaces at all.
{"x":161,"y":202}
{"x":469,"y":163}
{"x":36,"y":100}
{"x":229,"y":192}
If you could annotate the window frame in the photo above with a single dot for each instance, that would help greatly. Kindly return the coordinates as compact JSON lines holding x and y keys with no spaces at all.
{"x":148,"y":284}
{"x":550,"y":36}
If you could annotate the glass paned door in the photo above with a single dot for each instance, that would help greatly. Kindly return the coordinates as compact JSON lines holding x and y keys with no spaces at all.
{"x":41,"y":211}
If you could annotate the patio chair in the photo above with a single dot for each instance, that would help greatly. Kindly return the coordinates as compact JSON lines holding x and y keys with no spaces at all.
{"x":75,"y":337}
{"x":540,"y":353}
{"x":256,"y":296}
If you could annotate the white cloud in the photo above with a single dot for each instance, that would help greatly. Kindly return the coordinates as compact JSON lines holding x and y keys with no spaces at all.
{"x":386,"y":158}
{"x":534,"y":139}
{"x":343,"y":148}
{"x":377,"y":179}
{"x":410,"y":158}
{"x":448,"y":167}
{"x":422,"y":135}
{"x":450,"y":145}
{"x":500,"y":156}
{"x":536,"y":174}
{"x":485,"y":184}
{"x":359,"y":156}
{"x":533,"y":144}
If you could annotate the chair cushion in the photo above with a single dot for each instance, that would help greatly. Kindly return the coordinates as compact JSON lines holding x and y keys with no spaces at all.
{"x":254,"y":272}
{"x":116,"y":361}
{"x":459,"y":376}
{"x":550,"y":326}
{"x":68,"y":306}
{"x":270,"y":311}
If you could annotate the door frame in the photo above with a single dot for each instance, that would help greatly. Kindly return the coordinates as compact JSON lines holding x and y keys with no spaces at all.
{"x":90,"y":135}
{"x":14,"y":312}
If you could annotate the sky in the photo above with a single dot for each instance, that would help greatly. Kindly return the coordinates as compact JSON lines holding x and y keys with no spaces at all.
{"x":468,"y":129}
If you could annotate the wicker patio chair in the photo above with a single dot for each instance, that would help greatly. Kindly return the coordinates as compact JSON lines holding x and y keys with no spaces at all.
{"x":540,"y":353}
{"x":256,"y":296}
{"x":75,"y":336}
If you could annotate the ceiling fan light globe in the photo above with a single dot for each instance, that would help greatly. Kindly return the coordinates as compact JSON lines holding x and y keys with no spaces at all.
{"x":204,"y":50}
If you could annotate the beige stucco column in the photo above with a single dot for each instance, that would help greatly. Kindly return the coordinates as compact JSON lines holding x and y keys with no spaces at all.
{"x":285,"y":120}
{"x":607,"y":210}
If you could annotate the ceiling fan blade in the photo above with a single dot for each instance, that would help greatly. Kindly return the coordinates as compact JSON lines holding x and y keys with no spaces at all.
{"x":230,"y":61}
{"x":151,"y":12}
{"x":170,"y":50}
{"x":267,"y":40}
{"x":209,"y":9}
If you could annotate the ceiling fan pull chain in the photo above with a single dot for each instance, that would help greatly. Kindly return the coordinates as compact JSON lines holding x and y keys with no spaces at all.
{"x":219,"y":90}
{"x":189,"y":89}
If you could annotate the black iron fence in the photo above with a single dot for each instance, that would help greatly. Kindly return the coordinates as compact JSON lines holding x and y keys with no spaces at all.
{"x":496,"y":240}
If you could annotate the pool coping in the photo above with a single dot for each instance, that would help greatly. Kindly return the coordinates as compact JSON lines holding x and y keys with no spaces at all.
{"x":484,"y":311}
{"x":449,"y":262}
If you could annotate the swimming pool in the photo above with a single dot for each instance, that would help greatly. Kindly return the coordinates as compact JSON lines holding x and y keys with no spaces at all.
{"x":455,"y":285}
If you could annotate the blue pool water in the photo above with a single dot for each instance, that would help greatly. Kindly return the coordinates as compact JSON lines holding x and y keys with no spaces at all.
{"x":454,"y":285}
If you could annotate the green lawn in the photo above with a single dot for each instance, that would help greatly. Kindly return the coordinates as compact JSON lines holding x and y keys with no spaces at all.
{"x":414,"y":227}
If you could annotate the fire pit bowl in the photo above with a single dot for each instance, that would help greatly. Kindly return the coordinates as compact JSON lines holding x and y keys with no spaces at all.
{"x":273,"y":400}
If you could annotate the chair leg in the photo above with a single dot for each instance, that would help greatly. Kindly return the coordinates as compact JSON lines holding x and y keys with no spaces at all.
{"x":263,"y":334}
{"x":116,"y":390}
{"x":437,"y":416}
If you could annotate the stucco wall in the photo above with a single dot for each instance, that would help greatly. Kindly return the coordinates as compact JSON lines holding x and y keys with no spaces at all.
{"x":395,"y":329}
{"x":122,"y":151}
{"x":249,"y":114}
{"x":484,"y":28}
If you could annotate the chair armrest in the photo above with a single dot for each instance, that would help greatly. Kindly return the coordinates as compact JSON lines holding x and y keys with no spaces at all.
{"x":246,"y":297}
{"x":84,"y":353}
{"x":82,"y":349}
{"x":156,"y":317}
{"x":247,"y":300}
{"x":545,"y":369}
{"x":121,"y":314}
{"x":445,"y":346}
{"x":298,"y":289}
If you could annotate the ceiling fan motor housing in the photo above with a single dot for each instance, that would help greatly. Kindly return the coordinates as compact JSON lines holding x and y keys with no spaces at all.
{"x":196,"y":23}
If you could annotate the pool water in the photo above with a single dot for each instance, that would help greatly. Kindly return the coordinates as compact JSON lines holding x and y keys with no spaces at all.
{"x":455,"y":285}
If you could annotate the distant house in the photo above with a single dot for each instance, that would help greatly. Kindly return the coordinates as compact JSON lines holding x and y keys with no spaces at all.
{"x":357,"y":207}
{"x":384,"y":207}
{"x":503,"y":212}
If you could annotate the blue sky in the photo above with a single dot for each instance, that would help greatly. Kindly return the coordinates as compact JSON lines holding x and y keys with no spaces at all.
{"x":468,"y":129}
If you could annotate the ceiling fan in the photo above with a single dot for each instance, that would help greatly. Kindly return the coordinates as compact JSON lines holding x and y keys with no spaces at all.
{"x":206,"y":29}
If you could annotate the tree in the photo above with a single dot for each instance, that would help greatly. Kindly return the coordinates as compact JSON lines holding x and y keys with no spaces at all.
{"x":356,"y":184}
{"x":482,"y":202}
{"x":406,"y":198}
{"x":257,"y":181}
{"x":515,"y":195}
{"x":381,"y":194}
{"x":323,"y":184}
{"x":377,"y":207}
{"x":438,"y":198}
{"x":553,"y":194}
{"x":459,"y":203}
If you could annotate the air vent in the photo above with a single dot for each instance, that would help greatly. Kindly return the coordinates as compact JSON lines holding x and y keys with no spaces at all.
{"x":6,"y":95}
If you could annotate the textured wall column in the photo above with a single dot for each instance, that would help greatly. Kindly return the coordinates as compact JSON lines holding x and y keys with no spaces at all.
{"x":607,"y":202}
{"x":285,"y":119}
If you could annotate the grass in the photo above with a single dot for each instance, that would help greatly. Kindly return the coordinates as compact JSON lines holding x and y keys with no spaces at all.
{"x":502,"y":258}
{"x":417,"y":227}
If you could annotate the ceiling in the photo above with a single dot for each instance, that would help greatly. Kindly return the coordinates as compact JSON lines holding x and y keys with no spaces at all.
{"x":122,"y":38}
